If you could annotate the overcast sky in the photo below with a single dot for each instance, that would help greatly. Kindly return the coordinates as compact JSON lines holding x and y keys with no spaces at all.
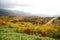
{"x":47,"y":7}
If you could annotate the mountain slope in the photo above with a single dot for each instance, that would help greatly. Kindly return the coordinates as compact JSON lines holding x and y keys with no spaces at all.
{"x":13,"y":12}
{"x":18,"y":13}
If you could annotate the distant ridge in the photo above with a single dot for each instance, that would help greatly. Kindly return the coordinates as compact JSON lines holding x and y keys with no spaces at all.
{"x":13,"y":12}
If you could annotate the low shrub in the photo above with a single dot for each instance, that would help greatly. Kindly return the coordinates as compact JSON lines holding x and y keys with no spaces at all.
{"x":52,"y":33}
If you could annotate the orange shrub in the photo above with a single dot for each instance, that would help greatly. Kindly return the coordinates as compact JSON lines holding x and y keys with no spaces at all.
{"x":27,"y":30}
{"x":58,"y":33}
{"x":2,"y":22}
{"x":43,"y":32}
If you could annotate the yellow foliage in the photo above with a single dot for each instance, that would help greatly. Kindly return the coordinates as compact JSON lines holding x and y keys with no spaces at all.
{"x":12,"y":24}
{"x":50,"y":25}
{"x":20,"y":29}
{"x":58,"y":27}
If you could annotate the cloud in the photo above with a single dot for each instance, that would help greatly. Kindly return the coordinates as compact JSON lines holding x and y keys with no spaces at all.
{"x":11,"y":4}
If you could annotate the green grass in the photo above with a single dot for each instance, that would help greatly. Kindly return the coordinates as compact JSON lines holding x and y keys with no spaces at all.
{"x":20,"y":36}
{"x":10,"y":34}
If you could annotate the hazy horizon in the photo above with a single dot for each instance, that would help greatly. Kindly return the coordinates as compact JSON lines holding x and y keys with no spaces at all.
{"x":46,"y":7}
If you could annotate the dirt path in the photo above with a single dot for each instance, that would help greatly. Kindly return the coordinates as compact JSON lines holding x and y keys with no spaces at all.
{"x":51,"y":21}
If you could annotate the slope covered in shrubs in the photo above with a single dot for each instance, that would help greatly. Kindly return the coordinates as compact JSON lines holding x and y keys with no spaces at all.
{"x":10,"y":34}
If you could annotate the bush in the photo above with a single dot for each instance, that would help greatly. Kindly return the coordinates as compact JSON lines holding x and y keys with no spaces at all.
{"x":52,"y":33}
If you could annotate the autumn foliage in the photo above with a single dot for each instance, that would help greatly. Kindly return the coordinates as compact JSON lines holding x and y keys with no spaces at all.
{"x":2,"y":22}
{"x":33,"y":25}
